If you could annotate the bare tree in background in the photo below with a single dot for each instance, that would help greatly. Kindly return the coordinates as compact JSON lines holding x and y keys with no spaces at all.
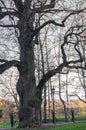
{"x":9,"y":91}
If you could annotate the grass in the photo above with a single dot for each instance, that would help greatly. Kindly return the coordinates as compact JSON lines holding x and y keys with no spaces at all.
{"x":58,"y":126}
{"x":80,"y":117}
{"x":66,"y":126}
{"x":62,"y":117}
{"x":7,"y":124}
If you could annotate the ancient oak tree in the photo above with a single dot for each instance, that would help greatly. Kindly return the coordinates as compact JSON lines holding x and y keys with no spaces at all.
{"x":22,"y":15}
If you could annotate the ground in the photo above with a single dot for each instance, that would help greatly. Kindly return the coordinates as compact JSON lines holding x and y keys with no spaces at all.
{"x":60,"y":126}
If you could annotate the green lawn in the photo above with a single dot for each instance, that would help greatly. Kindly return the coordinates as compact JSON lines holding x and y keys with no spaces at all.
{"x":7,"y":124}
{"x":77,"y":117}
{"x":66,"y":126}
{"x":80,"y":117}
{"x":59,"y":120}
{"x":58,"y":126}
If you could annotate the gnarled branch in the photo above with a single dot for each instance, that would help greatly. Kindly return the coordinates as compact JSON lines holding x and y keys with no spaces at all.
{"x":3,"y":14}
{"x":46,"y":23}
{"x":62,"y":24}
{"x":7,"y":64}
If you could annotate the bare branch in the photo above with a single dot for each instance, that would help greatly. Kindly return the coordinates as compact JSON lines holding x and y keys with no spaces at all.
{"x":3,"y":14}
{"x":49,"y":74}
{"x":46,"y":23}
{"x":14,"y":26}
{"x":72,"y":13}
{"x":55,"y":23}
{"x":68,"y":34}
{"x":44,"y":7}
{"x":53,"y":72}
{"x":80,"y":98}
{"x":7,"y":64}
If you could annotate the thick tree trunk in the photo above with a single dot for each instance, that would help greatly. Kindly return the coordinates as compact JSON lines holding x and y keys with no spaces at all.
{"x":26,"y":85}
{"x":26,"y":90}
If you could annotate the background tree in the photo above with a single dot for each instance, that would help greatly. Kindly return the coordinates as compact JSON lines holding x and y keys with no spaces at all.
{"x":8,"y":84}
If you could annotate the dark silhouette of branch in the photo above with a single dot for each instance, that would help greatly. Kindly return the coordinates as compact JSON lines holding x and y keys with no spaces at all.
{"x":7,"y":64}
{"x":77,"y":35}
{"x":80,"y":98}
{"x":49,"y":74}
{"x":3,"y":14}
{"x":72,"y":64}
{"x":72,"y":13}
{"x":46,"y":23}
{"x":44,"y":7}
{"x":14,"y":26}
{"x":53,"y":72}
{"x":62,"y":24}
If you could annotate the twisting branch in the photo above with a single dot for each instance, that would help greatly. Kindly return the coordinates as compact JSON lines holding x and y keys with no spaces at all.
{"x":73,"y":95}
{"x":46,"y":23}
{"x":73,"y":31}
{"x":72,"y":13}
{"x":63,"y":51}
{"x":72,"y":64}
{"x":3,"y":14}
{"x":7,"y":64}
{"x":49,"y":74}
{"x":62,"y":24}
{"x":77,"y":50}
{"x":80,"y":98}
{"x":53,"y":72}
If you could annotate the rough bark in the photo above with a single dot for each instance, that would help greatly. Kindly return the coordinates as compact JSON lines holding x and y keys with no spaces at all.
{"x":26,"y":84}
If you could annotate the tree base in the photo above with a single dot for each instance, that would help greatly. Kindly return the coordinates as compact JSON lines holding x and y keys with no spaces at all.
{"x":28,"y":118}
